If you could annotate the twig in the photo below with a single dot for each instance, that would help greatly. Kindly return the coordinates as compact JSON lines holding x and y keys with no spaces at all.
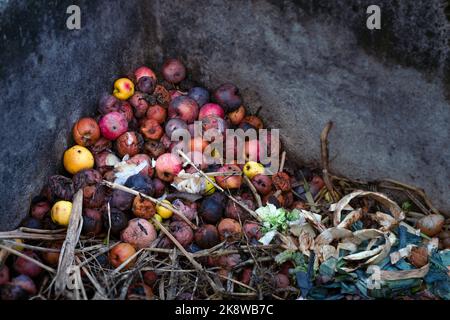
{"x":20,"y":254}
{"x":324,"y":158}
{"x":195,"y":264}
{"x":178,"y":213}
{"x":253,"y":190}
{"x":253,"y":213}
{"x":283,"y":160}
{"x":67,"y":255}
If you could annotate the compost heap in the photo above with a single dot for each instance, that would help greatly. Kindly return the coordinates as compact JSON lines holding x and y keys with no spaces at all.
{"x":133,"y":217}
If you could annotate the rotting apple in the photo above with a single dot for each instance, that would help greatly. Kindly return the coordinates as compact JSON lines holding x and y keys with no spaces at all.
{"x":120,"y":254}
{"x":182,"y":232}
{"x":183,"y":108}
{"x":139,"y":104}
{"x":157,"y":113}
{"x":113,"y":125}
{"x":174,"y":124}
{"x":173,"y":71}
{"x":229,"y":229}
{"x":162,"y":95}
{"x":143,"y":208}
{"x":92,"y":222}
{"x":210,"y":109}
{"x":229,"y":181}
{"x":151,"y":129}
{"x":129,"y":143}
{"x":262,"y":183}
{"x":139,"y":233}
{"x":107,"y":103}
{"x":236,"y":212}
{"x":228,"y":97}
{"x":40,"y":209}
{"x":86,"y":132}
{"x":199,"y":94}
{"x":141,"y":183}
{"x":119,"y":221}
{"x":168,"y":166}
{"x":206,"y":236}
{"x":28,"y":267}
{"x":123,"y":88}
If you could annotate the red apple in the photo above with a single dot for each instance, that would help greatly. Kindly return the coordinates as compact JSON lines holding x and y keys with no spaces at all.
{"x":86,"y":132}
{"x":171,"y":126}
{"x":113,"y":125}
{"x":144,"y":72}
{"x":168,"y":166}
{"x":140,"y":158}
{"x":157,"y":113}
{"x":121,"y":253}
{"x":183,"y":108}
{"x":211,"y":109}
{"x":173,"y":71}
{"x":230,"y":182}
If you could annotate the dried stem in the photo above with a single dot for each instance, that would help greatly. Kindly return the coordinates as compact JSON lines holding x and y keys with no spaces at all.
{"x":324,"y":158}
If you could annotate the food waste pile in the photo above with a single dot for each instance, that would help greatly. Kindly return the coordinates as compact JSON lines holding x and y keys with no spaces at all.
{"x":136,"y":214}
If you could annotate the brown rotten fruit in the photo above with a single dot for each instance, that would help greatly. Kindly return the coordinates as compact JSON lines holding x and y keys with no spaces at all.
{"x":229,"y":229}
{"x":162,"y":95}
{"x":52,"y":258}
{"x":151,"y":129}
{"x":182,"y":232}
{"x":154,"y":148}
{"x":86,"y":132}
{"x":236,"y":212}
{"x":281,"y":181}
{"x":139,"y":104}
{"x":129,"y":143}
{"x":139,"y":233}
{"x":92,"y":222}
{"x":143,"y":208}
{"x":206,"y":236}
{"x":85,"y":178}
{"x":119,"y":221}
{"x":262,"y":183}
{"x":252,"y":230}
{"x":59,"y":188}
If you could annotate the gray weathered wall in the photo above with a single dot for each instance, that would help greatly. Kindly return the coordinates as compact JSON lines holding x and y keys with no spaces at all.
{"x":305,"y":62}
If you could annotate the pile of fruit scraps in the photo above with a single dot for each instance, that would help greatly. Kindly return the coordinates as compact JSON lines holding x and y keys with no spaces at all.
{"x":135,"y":217}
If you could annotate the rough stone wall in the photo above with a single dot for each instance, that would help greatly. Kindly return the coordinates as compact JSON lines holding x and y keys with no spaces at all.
{"x":304,"y":62}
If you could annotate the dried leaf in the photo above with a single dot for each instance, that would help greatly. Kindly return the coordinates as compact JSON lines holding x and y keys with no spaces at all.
{"x":383,"y":199}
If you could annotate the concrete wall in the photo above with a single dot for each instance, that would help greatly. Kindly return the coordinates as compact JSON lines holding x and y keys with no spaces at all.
{"x":305,"y":62}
